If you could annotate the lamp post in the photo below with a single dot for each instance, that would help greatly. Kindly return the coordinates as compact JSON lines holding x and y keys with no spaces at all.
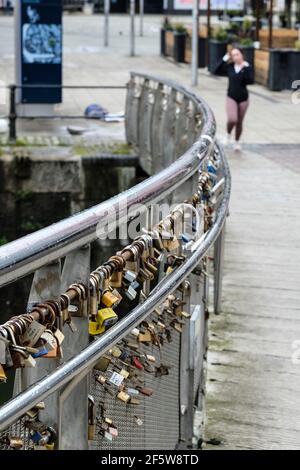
{"x":257,"y":23}
{"x":142,"y":9}
{"x":106,"y":21}
{"x":271,"y":24}
{"x":208,"y":30}
{"x":132,"y":28}
{"x":195,"y":42}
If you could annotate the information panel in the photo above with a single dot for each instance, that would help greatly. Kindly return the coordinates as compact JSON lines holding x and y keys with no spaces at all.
{"x":215,"y":4}
{"x":41,"y":50}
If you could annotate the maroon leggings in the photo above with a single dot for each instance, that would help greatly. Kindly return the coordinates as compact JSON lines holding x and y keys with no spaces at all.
{"x":236,"y":113}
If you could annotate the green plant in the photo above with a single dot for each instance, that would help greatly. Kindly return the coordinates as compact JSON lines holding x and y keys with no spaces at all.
{"x":221,"y":35}
{"x":247,"y":25}
{"x":3,"y":240}
{"x":232,"y":13}
{"x":179,"y":28}
{"x":234,"y":27}
{"x":246,"y":42}
{"x":167,"y":26}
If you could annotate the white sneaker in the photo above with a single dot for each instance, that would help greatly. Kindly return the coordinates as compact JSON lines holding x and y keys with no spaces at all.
{"x":3,"y":126}
{"x":227,"y":140}
{"x":237,"y":147}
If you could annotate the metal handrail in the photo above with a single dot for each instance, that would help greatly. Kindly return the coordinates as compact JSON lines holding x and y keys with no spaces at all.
{"x":81,"y":364}
{"x":26,"y":255}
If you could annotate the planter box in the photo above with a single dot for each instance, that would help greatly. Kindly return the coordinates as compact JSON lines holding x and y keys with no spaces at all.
{"x":261,"y":66}
{"x":201,"y":51}
{"x":282,"y":38}
{"x":277,"y":68}
{"x":169,"y":43}
{"x":175,"y":45}
{"x":163,"y":42}
{"x":217,"y":50}
{"x":284,"y":68}
{"x":179,"y":46}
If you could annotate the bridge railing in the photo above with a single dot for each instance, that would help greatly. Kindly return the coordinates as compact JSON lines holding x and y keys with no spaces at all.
{"x":140,"y":383}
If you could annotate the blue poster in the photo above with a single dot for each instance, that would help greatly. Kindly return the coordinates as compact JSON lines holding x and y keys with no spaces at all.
{"x":41,"y":49}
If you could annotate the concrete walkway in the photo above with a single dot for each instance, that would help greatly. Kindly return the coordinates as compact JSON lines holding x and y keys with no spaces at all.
{"x":253,"y":387}
{"x":272,"y":117}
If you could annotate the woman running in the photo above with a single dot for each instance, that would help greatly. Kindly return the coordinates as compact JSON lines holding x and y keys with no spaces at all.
{"x":240,"y":75}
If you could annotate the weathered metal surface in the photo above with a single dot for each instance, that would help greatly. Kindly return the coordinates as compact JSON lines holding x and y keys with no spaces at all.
{"x":73,"y":432}
{"x":45,"y":285}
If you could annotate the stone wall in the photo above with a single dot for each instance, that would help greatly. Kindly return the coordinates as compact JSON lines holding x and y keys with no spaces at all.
{"x":42,"y":185}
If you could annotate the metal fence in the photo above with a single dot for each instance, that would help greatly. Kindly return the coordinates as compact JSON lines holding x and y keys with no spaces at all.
{"x":173,"y":131}
{"x":13,"y":114}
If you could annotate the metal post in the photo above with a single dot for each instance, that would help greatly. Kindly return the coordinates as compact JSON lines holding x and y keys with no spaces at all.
{"x":12,"y":114}
{"x":195,"y":43}
{"x":226,"y":9}
{"x":106,"y":21}
{"x":271,"y":25}
{"x":208,"y":30}
{"x":132,"y":28}
{"x":218,"y":268}
{"x":186,"y":376}
{"x":257,"y":14}
{"x":142,"y":9}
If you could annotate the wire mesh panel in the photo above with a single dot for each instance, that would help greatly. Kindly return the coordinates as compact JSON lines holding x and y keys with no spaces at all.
{"x":154,"y":423}
{"x":18,"y":431}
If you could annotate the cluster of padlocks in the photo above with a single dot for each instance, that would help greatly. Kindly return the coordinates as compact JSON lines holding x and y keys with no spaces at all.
{"x":114,"y":290}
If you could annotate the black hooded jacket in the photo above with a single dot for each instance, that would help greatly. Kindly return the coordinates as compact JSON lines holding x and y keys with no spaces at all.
{"x":238,"y":82}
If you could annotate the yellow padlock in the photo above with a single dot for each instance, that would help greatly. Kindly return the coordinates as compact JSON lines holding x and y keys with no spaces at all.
{"x":111,"y":298}
{"x":50,"y":446}
{"x":106,"y":318}
{"x":169,"y":270}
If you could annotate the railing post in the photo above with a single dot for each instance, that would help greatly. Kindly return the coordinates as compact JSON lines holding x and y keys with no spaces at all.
{"x":186,"y":376}
{"x":46,"y":285}
{"x":218,"y":270}
{"x":12,"y":114}
{"x":73,"y":400}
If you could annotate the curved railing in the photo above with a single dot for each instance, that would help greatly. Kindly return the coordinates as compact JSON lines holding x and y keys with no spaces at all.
{"x":158,"y":111}
{"x":26,"y":255}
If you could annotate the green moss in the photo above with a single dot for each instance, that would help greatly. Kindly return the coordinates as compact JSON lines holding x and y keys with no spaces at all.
{"x":118,"y":148}
{"x":23,"y":196}
{"x":82,"y":151}
{"x":30,"y":226}
{"x":20,"y":143}
{"x":3,"y":240}
{"x":121,"y":149}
